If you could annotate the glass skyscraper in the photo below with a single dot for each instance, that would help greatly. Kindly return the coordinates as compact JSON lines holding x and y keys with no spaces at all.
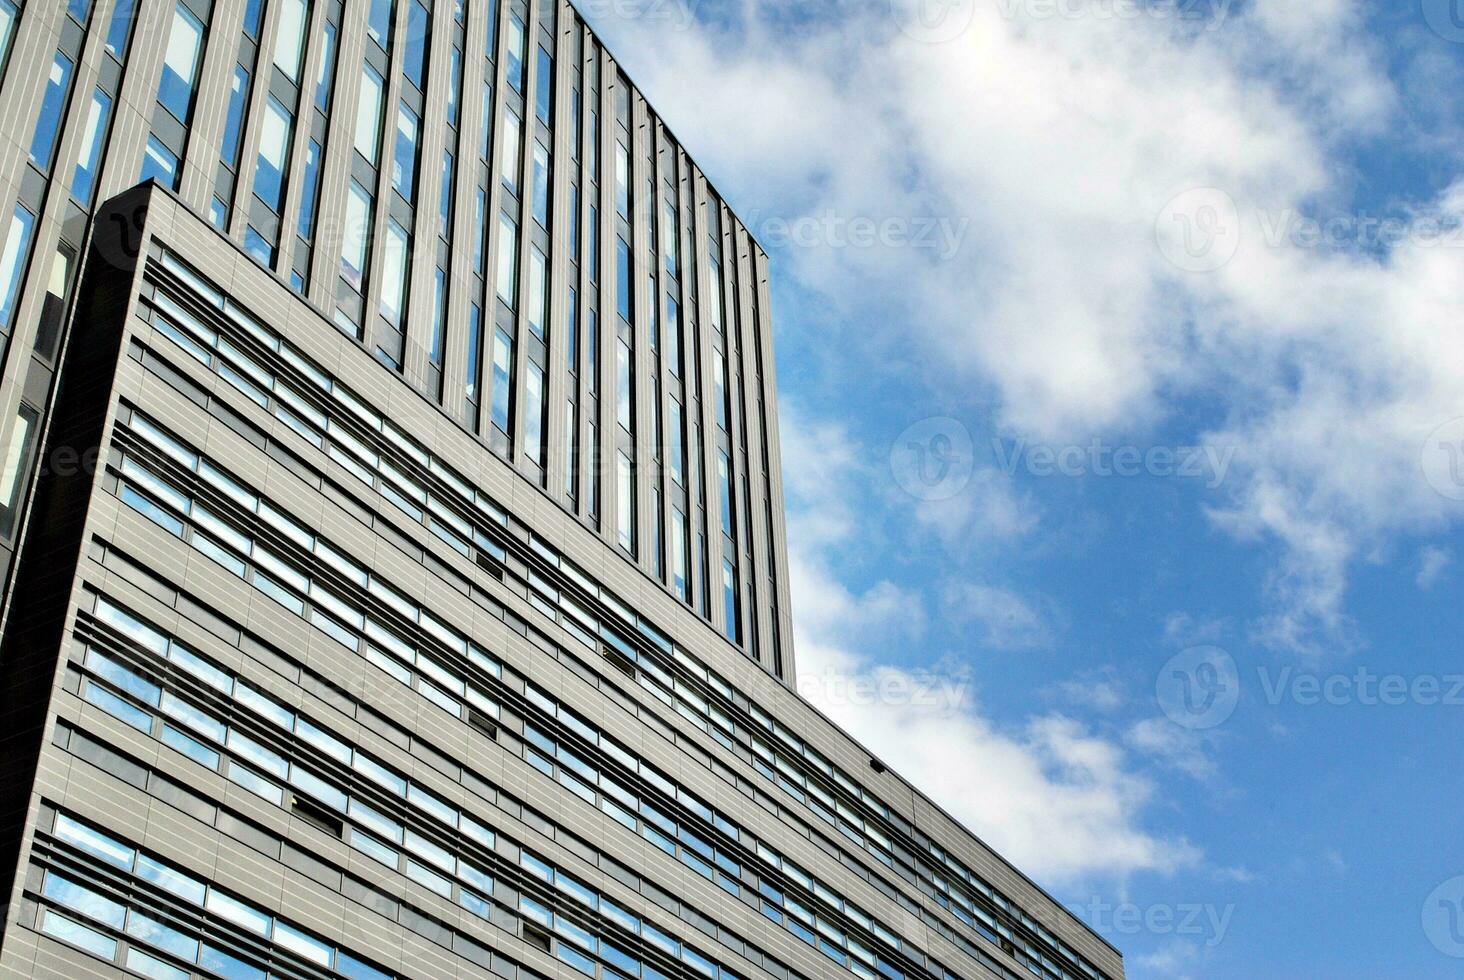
{"x":392,"y":524}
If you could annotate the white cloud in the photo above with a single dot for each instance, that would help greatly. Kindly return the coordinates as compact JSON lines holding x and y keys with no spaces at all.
{"x":1053,"y":144}
{"x":1177,"y":959}
{"x":1431,"y":564}
{"x":1004,"y":620}
{"x":1173,"y":747}
{"x":1060,"y":801}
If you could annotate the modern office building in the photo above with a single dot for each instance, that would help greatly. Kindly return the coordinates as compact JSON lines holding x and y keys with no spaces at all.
{"x":395,"y":578}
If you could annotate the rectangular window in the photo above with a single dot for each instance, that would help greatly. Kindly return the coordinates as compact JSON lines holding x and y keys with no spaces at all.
{"x":673,"y":336}
{"x":594,"y":470}
{"x":355,"y":251}
{"x":622,"y":180}
{"x":310,"y":191}
{"x":404,"y":161}
{"x":180,"y":64}
{"x":538,"y":292}
{"x":674,"y":439}
{"x":652,"y":326}
{"x":258,"y":246}
{"x":17,"y":463}
{"x":454,"y":85}
{"x":544,"y":96}
{"x":12,"y":262}
{"x":679,"y":570}
{"x":368,"y":115}
{"x":475,"y":352}
{"x":253,"y":12}
{"x":378,"y":23}
{"x":571,"y":433}
{"x":480,"y":222}
{"x":485,"y":128}
{"x":724,"y":488}
{"x":507,"y":261}
{"x":53,"y":107}
{"x":289,"y":39}
{"x":672,"y":236}
{"x":622,"y":277}
{"x":53,"y":307}
{"x":508,"y":160}
{"x":516,"y":53}
{"x":117,"y":31}
{"x":84,"y":180}
{"x":326,"y":75}
{"x":394,"y":273}
{"x":625,"y":501}
{"x":541,"y":184}
{"x":502,"y":378}
{"x":234,"y":120}
{"x":593,"y":144}
{"x":419,"y":23}
{"x":574,"y":223}
{"x":274,"y":150}
{"x":444,"y":201}
{"x":534,"y":413}
{"x":439,"y":318}
{"x":623,"y":379}
{"x":159,"y":164}
{"x":592,"y":347}
{"x":594,"y":245}
{"x":733,"y":623}
{"x":571,"y":333}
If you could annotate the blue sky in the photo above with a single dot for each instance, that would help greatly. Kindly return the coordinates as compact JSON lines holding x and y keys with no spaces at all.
{"x":1119,"y":349}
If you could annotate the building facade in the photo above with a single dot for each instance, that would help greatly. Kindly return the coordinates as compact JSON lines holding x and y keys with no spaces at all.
{"x":395,"y":576}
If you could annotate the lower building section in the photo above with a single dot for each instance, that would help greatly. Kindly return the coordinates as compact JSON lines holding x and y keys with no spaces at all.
{"x":304,"y":684}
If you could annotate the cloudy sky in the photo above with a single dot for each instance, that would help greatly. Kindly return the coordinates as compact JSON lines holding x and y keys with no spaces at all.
{"x":1119,"y":347}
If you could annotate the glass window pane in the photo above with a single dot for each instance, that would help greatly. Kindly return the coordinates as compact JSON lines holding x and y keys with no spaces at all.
{"x":290,"y":34}
{"x":274,"y":150}
{"x":152,"y":967}
{"x":83,"y":182}
{"x":404,"y":160}
{"x":507,"y":260}
{"x":12,"y":261}
{"x":544,"y":97}
{"x":534,"y":414}
{"x":326,"y":75}
{"x":541,"y":184}
{"x":378,"y":23}
{"x":538,"y":292}
{"x":180,"y":64}
{"x":394,"y":273}
{"x":159,"y":163}
{"x":122,"y":17}
{"x":368,"y":115}
{"x":508,"y":161}
{"x":308,"y":193}
{"x":502,"y":378}
{"x":53,"y":104}
{"x":357,"y":235}
{"x":17,"y":461}
{"x":69,"y":931}
{"x":625,"y":479}
{"x":419,"y":23}
{"x":234,"y":121}
{"x":515,"y":41}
